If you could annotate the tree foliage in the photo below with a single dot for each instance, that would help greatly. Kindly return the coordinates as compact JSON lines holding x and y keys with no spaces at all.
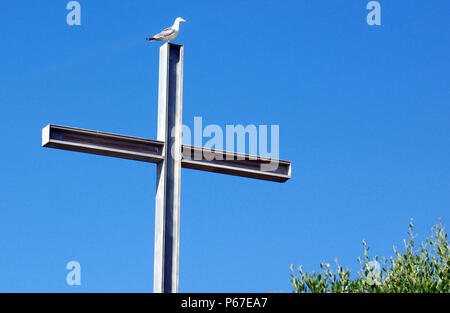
{"x":424,"y":269}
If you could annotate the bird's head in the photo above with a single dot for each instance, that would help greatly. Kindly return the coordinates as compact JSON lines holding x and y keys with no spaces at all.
{"x":179,"y":19}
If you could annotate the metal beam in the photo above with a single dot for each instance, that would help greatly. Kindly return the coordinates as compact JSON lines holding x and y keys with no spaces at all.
{"x":237,"y":164}
{"x":107,"y":144}
{"x":167,"y":210}
{"x":146,"y":150}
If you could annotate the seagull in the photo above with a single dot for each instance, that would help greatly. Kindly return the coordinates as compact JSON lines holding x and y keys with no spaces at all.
{"x":169,"y":33}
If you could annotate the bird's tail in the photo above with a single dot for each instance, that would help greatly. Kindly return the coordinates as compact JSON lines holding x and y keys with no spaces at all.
{"x":150,"y":39}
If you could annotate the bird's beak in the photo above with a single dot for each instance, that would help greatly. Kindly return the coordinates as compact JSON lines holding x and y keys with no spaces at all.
{"x":183,"y":20}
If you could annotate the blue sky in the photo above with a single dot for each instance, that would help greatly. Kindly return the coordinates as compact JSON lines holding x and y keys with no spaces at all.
{"x":363,"y":113}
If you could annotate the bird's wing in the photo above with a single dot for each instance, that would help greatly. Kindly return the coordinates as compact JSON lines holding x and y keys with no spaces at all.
{"x":165,"y":33}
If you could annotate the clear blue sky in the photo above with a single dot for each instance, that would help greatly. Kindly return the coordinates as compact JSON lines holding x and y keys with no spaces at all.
{"x":364,"y":117}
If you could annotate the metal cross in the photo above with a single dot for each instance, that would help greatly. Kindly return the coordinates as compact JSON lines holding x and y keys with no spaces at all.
{"x":170,"y":155}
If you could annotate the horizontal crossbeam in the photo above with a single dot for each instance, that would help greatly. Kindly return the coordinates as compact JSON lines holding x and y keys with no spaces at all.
{"x":146,"y":150}
{"x":236,"y":164}
{"x":95,"y":142}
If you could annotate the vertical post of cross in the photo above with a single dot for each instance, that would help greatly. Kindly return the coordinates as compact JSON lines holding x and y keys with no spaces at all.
{"x":167,"y":212}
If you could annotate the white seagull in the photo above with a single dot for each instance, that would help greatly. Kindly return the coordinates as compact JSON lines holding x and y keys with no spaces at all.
{"x":169,"y":33}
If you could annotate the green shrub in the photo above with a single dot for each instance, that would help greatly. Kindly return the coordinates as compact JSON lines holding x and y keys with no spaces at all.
{"x":423,"y":270}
